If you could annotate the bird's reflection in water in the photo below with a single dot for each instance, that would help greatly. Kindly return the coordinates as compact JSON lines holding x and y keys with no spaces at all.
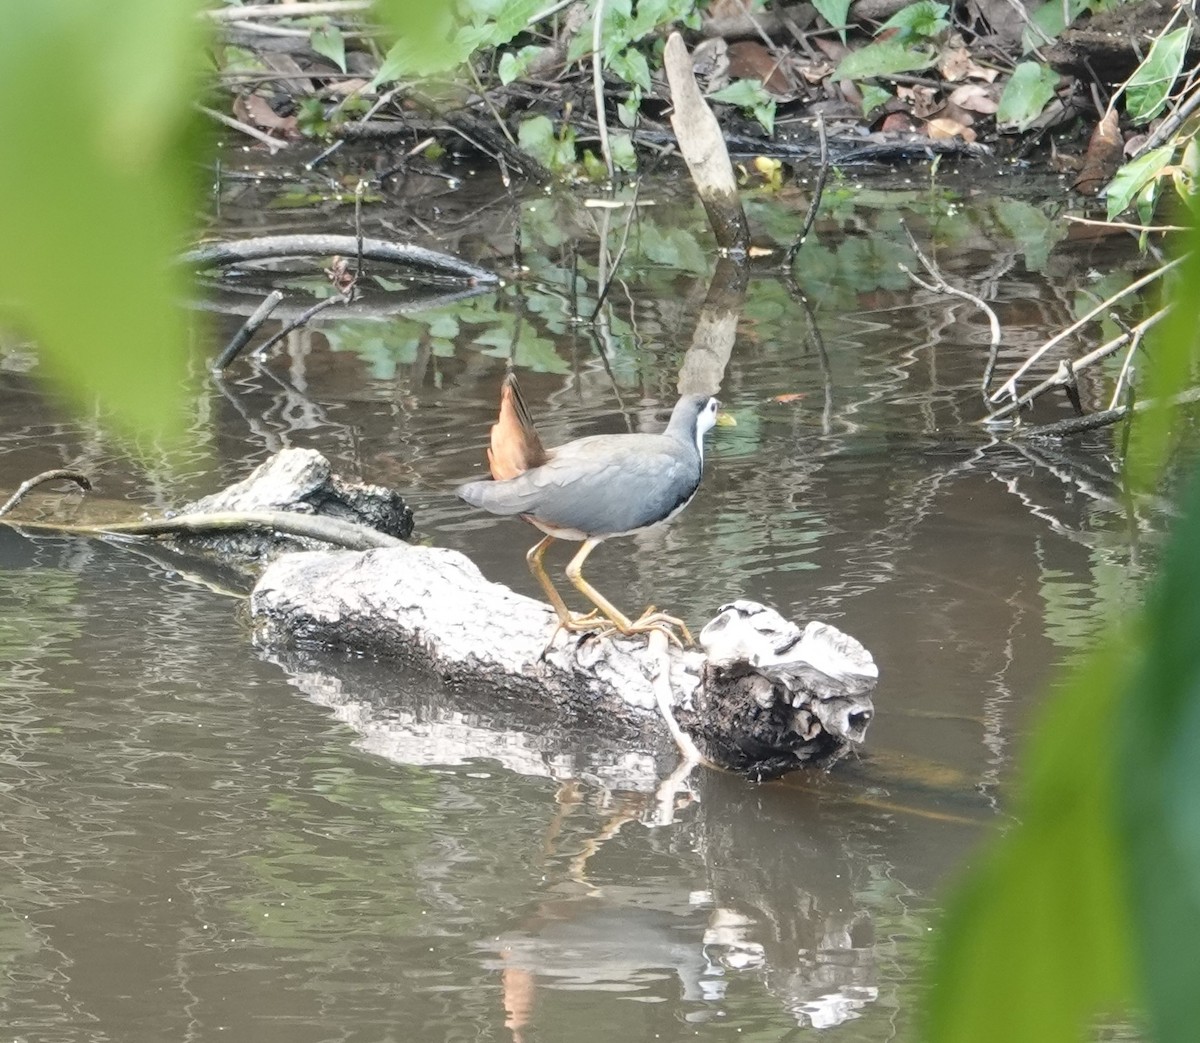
{"x":787,"y":913}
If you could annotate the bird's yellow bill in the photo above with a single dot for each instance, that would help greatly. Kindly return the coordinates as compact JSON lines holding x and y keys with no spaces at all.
{"x":724,"y":419}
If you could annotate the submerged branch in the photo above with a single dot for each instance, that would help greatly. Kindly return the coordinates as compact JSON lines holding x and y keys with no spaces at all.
{"x":1009,"y":389}
{"x":274,"y":247}
{"x":28,"y":486}
{"x":1065,"y":374}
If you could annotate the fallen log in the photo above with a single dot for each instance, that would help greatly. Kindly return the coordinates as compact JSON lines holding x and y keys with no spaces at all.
{"x":761,"y":697}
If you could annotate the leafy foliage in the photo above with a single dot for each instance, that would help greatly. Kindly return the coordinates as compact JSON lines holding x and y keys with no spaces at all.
{"x":749,"y":95}
{"x":882,"y":59}
{"x":105,"y":197}
{"x":835,"y":13}
{"x":327,"y":40}
{"x":1147,"y":91}
{"x":919,"y":21}
{"x":1096,"y":890}
{"x":1138,"y":179}
{"x":1029,"y":88}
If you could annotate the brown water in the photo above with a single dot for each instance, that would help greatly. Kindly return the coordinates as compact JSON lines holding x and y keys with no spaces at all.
{"x":200,"y":841}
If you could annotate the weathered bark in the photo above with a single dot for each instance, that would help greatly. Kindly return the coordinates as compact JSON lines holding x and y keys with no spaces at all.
{"x":743,"y":707}
{"x":300,"y":481}
{"x":703,"y":146}
{"x":762,"y":698}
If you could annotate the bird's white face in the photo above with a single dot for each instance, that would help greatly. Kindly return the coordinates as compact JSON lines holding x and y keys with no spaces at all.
{"x":704,"y":423}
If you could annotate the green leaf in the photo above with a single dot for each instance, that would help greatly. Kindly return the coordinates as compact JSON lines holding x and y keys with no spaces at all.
{"x":918,"y":21}
{"x":1167,"y":367}
{"x":327,"y":40}
{"x":872,"y":97}
{"x":623,"y":155}
{"x":632,"y":67}
{"x":104,"y":201}
{"x":537,"y":137}
{"x":1147,"y":91}
{"x":834,"y":12}
{"x":1160,"y":712}
{"x":428,"y":40}
{"x":1033,"y":945}
{"x":1049,"y":20}
{"x":743,"y":93}
{"x":1026,"y":94}
{"x":514,"y":66}
{"x":882,"y":59}
{"x":1134,"y":176}
{"x":765,"y":114}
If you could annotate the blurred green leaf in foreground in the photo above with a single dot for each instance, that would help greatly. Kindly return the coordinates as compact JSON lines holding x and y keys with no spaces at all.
{"x":1089,"y":907}
{"x":98,"y":179}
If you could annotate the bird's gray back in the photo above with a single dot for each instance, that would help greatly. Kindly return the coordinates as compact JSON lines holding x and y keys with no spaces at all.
{"x":599,"y":486}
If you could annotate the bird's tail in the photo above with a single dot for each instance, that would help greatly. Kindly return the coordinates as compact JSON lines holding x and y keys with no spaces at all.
{"x":488,"y":495}
{"x":515,"y":446}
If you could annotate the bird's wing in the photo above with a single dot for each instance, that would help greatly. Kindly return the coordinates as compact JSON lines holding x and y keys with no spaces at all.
{"x":602,"y":485}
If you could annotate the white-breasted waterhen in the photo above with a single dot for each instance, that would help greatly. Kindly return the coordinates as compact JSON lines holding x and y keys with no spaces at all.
{"x":591,"y":489}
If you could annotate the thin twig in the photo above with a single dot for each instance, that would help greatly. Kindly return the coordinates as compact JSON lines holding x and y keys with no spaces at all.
{"x":293,"y":10}
{"x":598,"y":87}
{"x":26,"y":487}
{"x":297,"y":322}
{"x":1124,"y":224}
{"x":274,"y":144}
{"x":541,"y":16}
{"x":633,"y":209}
{"x":247,"y":330}
{"x":940,"y":285}
{"x":483,"y":95}
{"x":1066,"y":371}
{"x":281,"y":30}
{"x":1124,"y":376}
{"x":1009,"y":388}
{"x":811,"y":217}
{"x":358,"y":233}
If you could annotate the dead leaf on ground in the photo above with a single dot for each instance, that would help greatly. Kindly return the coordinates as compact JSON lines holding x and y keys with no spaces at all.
{"x":817,"y":72}
{"x":1105,"y":151}
{"x":255,"y":110}
{"x":956,"y":64}
{"x":750,"y":60}
{"x":942,"y":129}
{"x":975,"y":98}
{"x":898,"y":123}
{"x":925,"y":102}
{"x":345,"y":88}
{"x":834,"y":50}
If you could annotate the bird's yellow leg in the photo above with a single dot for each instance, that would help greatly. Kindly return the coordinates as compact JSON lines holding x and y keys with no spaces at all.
{"x":649,"y":620}
{"x":565,"y":620}
{"x":534,"y":560}
{"x":575,"y":575}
